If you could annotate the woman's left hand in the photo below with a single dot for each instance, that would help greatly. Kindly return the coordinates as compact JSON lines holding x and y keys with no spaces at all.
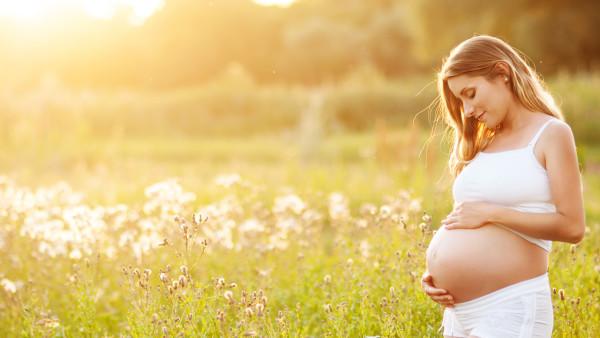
{"x":468,"y":215}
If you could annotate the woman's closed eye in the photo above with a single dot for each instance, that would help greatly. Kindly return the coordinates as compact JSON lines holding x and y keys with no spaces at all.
{"x":471,"y":94}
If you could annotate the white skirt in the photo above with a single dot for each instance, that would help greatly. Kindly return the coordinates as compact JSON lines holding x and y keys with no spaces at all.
{"x":520,"y":310}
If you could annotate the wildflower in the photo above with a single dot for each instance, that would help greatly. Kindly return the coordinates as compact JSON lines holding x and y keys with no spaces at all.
{"x":220,"y":282}
{"x":233,"y":285}
{"x":289,"y":202}
{"x":147,"y":273}
{"x":164,"y":330}
{"x":75,"y":254}
{"x":327,"y":279}
{"x":164,"y":278}
{"x":385,"y":210}
{"x":392,"y":291}
{"x":350,"y":261}
{"x":174,"y":284}
{"x":249,"y":312}
{"x":573,"y":247}
{"x":259,"y":309}
{"x":227,"y":180}
{"x":426,"y":218}
{"x":154,"y":318}
{"x":327,"y":307}
{"x":220,"y":315}
{"x":561,"y":293}
{"x":8,"y":285}
{"x":184,"y":270}
{"x":182,"y":281}
{"x":228,"y":295}
{"x":197,"y":218}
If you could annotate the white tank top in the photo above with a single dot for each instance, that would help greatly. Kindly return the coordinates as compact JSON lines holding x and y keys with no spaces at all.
{"x":513,"y":178}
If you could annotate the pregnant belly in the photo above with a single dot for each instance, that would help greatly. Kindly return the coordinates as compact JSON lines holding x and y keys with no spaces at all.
{"x":472,"y":263}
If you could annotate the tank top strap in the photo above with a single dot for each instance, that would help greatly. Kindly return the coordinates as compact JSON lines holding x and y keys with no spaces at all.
{"x":539,"y":132}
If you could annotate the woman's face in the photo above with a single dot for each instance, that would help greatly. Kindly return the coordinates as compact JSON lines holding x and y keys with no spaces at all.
{"x":484,"y":100}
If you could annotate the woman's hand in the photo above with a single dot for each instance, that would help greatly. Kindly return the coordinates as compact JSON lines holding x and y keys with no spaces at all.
{"x":440,"y":296}
{"x":469,"y":215}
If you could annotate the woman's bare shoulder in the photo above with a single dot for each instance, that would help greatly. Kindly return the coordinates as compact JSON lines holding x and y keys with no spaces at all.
{"x":557,"y":140}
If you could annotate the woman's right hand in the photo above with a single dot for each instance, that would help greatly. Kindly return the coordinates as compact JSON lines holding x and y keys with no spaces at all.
{"x":440,"y":296}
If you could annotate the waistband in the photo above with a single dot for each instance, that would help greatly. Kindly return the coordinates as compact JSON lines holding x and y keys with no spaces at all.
{"x":539,"y":283}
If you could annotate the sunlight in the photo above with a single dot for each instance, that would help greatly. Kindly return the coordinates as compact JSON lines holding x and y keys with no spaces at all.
{"x":35,"y":10}
{"x":106,"y":9}
{"x":23,"y":10}
{"x":282,"y":3}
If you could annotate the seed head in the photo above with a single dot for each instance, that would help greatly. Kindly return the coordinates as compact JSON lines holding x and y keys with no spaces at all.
{"x":259,"y":309}
{"x":249,"y":312}
{"x":184,"y":270}
{"x":182,"y":281}
{"x":164,"y":278}
{"x":220,"y":315}
{"x":327,"y":307}
{"x":228,"y":295}
{"x":199,"y":219}
{"x":561,"y":293}
{"x":327,"y":279}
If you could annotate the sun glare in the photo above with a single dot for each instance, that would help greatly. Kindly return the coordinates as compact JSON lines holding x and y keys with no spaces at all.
{"x":35,"y":10}
{"x":23,"y":10}
{"x":282,"y":3}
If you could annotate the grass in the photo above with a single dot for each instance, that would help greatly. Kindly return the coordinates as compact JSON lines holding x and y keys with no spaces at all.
{"x":313,"y":239}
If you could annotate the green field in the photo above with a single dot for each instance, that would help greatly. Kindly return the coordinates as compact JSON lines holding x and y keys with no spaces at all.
{"x":324,"y":239}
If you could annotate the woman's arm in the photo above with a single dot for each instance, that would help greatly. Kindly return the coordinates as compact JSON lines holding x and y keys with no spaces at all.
{"x":567,"y":224}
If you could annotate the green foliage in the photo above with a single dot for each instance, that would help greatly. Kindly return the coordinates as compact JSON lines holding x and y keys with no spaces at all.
{"x":188,"y":42}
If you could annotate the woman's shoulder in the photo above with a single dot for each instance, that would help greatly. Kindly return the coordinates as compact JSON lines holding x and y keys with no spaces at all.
{"x":558,"y":135}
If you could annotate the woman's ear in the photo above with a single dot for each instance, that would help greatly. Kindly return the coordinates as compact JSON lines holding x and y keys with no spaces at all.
{"x":502,"y":69}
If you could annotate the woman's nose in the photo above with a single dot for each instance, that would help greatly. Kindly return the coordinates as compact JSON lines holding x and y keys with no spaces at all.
{"x":468,"y":110}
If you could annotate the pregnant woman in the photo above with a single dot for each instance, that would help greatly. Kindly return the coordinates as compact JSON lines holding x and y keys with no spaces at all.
{"x":516,"y":189}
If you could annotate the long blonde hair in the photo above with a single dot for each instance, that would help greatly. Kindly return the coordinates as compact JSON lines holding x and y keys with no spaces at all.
{"x":478,"y":56}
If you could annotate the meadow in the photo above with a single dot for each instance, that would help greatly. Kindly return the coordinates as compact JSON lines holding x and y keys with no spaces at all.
{"x":124,"y":221}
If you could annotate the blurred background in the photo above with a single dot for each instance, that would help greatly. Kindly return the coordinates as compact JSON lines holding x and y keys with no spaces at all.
{"x":112,"y":96}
